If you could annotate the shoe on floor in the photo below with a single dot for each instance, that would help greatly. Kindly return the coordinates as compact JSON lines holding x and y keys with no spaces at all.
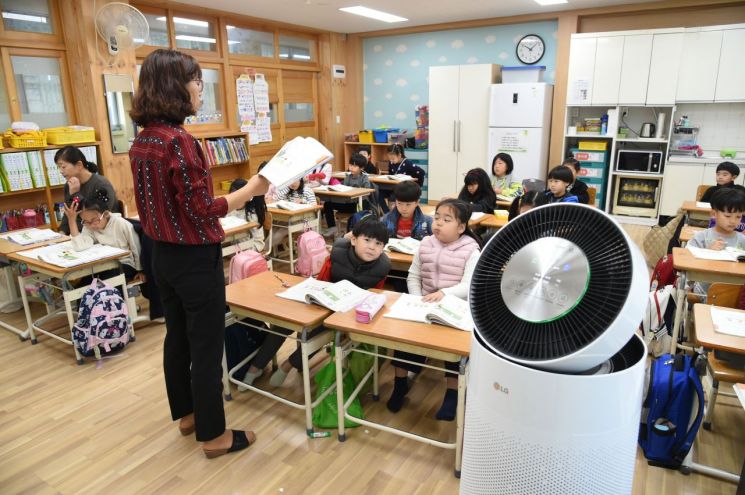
{"x":277,"y":378}
{"x":248,"y":379}
{"x":240,"y":442}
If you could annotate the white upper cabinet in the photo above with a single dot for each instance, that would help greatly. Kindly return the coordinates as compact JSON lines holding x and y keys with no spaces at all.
{"x":697,"y":75}
{"x":637,"y":53}
{"x":581,"y":71}
{"x":663,"y":68}
{"x":731,"y":75}
{"x":607,"y":73}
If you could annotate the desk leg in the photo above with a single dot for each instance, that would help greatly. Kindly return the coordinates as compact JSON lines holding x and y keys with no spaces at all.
{"x":679,"y":311}
{"x":306,"y":383}
{"x":292,"y":250}
{"x":339,"y":357}
{"x":26,"y":309}
{"x":376,"y":392}
{"x":225,"y":379}
{"x":689,"y":466}
{"x":459,"y":417}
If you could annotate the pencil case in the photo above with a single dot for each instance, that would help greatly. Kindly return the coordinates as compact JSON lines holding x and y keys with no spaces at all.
{"x":365,"y":311}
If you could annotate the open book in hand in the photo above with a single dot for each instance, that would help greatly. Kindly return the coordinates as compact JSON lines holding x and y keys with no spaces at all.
{"x":450,"y":311}
{"x":341,"y":296}
{"x":727,"y":254}
{"x":407,"y":245}
{"x":32,"y":236}
{"x":296,"y":159}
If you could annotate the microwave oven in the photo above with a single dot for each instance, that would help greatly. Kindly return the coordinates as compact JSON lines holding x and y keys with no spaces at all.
{"x":640,"y":161}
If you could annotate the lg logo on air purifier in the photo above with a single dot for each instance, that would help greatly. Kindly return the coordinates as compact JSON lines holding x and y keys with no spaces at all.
{"x":500,"y":388}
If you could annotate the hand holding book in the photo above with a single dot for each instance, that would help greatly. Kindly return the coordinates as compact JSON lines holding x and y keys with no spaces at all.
{"x":295,"y":160}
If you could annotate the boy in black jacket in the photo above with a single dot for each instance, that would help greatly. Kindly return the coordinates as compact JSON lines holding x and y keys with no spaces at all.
{"x":578,"y":188}
{"x":727,"y":172}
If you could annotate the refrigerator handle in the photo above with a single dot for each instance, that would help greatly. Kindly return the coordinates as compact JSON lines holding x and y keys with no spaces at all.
{"x":455,"y":123}
{"x":459,"y":123}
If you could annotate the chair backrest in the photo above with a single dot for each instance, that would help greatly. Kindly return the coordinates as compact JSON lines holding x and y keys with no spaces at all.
{"x":121,"y":208}
{"x":534,"y":185}
{"x":701,"y":190}
{"x":592,"y":193}
{"x":724,"y":295}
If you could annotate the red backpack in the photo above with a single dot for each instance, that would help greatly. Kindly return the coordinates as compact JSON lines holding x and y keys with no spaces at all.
{"x":246,"y":264}
{"x":663,"y":273}
{"x":312,"y":253}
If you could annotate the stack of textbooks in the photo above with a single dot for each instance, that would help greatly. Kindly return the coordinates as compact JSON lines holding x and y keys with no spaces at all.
{"x":16,"y":173}
{"x":55,"y":176}
{"x":221,"y":151}
{"x":37,"y":169}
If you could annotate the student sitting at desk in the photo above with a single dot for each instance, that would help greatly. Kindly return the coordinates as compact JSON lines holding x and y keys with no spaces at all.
{"x":320,"y":178}
{"x":526,"y":202}
{"x":355,"y":177}
{"x":443,"y":265}
{"x":399,"y":164}
{"x":361,"y":261}
{"x":501,"y":182}
{"x":559,"y":180}
{"x":100,"y":226}
{"x":406,"y":218}
{"x":727,"y":172}
{"x":477,"y":191}
{"x":370,"y":167}
{"x":578,"y":187}
{"x":297,"y":192}
{"x":252,"y":211}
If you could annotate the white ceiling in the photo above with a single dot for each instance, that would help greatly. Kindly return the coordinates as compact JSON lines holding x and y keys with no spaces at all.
{"x":324,"y":14}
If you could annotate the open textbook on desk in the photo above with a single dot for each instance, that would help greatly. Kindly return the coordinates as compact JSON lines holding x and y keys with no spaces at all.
{"x":295,"y":160}
{"x":727,"y":254}
{"x":450,"y":311}
{"x":64,"y":255}
{"x":407,"y":245}
{"x":340,"y":296}
{"x":31,"y":236}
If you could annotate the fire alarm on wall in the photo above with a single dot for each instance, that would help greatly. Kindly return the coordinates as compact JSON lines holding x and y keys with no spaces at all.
{"x":338,"y":71}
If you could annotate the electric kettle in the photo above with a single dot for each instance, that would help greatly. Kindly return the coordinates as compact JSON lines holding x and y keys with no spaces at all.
{"x":648,"y":129}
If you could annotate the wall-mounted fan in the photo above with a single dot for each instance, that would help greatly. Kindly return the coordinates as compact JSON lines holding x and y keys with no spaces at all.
{"x":121,"y":26}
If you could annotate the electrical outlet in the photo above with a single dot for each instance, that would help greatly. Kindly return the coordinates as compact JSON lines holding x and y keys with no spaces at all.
{"x":624,"y":111}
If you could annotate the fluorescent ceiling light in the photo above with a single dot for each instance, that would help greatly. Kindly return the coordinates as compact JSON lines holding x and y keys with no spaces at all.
{"x":373,"y":14}
{"x":284,"y":55}
{"x":189,"y":22}
{"x":550,"y":2}
{"x":230,"y":27}
{"x":24,"y":17}
{"x":231,"y":42}
{"x":301,"y":57}
{"x":187,"y":37}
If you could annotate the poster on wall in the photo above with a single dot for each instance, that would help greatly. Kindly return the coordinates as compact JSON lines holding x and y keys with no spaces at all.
{"x":245,"y":92}
{"x":261,"y":94}
{"x":253,"y":106}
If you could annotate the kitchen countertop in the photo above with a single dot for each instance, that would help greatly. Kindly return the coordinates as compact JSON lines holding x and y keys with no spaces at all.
{"x":707,"y":158}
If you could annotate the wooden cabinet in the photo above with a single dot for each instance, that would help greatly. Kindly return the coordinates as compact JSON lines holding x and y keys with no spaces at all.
{"x":663,"y":68}
{"x":697,"y":75}
{"x":378,"y":154}
{"x":637,"y":53}
{"x":581,"y":70}
{"x":731,"y":74}
{"x":458,"y":124}
{"x":681,"y":180}
{"x":607,"y":71}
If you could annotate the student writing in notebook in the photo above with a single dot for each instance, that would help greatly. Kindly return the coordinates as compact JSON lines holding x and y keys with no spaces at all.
{"x":360,"y":260}
{"x":443,"y":265}
{"x":100,"y":226}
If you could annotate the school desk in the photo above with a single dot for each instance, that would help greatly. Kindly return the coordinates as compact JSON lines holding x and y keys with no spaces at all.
{"x":235,"y":235}
{"x":399,"y":261}
{"x":256,"y":297}
{"x":354,"y":195}
{"x":503,"y":203}
{"x":710,"y":339}
{"x":687,"y":233}
{"x":493,"y":222}
{"x":294,"y":221}
{"x":433,"y":341}
{"x":695,"y":212}
{"x":6,"y":248}
{"x":42,"y":272}
{"x":692,"y":269}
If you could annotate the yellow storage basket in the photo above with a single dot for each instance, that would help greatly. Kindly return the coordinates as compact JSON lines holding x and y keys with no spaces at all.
{"x":70,"y":135}
{"x":593,"y":145}
{"x":26,"y":141}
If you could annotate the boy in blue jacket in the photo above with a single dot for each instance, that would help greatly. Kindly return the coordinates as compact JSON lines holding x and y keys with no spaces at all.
{"x":406,"y":219}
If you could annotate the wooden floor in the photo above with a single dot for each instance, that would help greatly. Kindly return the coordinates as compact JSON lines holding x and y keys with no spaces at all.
{"x":66,"y":428}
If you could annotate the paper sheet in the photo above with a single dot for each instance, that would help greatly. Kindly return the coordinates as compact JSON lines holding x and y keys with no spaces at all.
{"x":728,"y":322}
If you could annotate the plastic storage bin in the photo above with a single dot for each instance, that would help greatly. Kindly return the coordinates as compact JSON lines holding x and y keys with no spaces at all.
{"x":70,"y":135}
{"x":592,"y":145}
{"x":523,"y":74}
{"x":366,"y":136}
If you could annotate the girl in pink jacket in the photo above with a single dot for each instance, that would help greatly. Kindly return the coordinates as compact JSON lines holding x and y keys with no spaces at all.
{"x":442,"y":266}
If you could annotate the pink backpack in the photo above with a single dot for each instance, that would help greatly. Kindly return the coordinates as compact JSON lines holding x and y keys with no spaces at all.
{"x":246,"y":264}
{"x":312,"y":253}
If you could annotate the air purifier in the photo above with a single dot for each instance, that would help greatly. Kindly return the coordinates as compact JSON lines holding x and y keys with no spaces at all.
{"x":556,"y":372}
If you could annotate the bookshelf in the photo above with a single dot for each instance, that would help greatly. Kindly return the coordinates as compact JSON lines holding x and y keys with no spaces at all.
{"x":378,"y":153}
{"x":227,"y":155}
{"x":47,"y":194}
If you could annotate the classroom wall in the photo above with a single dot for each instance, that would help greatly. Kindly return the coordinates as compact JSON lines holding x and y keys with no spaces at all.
{"x":396,"y":68}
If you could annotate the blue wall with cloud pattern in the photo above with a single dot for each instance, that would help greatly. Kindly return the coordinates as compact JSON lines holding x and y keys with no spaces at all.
{"x":397,"y":67}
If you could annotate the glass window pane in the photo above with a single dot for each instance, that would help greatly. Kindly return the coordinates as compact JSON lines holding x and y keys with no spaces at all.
{"x":4,"y":112}
{"x":27,"y":15}
{"x":292,"y":48}
{"x":298,"y":112}
{"x":195,"y":34}
{"x":39,"y":88}
{"x":211,"y":111}
{"x":250,"y":42}
{"x":158,"y":29}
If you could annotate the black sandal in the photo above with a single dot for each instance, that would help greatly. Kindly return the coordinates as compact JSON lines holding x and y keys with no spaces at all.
{"x":240,"y":442}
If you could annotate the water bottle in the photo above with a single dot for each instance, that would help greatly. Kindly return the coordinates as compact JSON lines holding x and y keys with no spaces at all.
{"x":604,"y":125}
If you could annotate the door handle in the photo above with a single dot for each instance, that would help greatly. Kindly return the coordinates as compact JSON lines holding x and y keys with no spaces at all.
{"x":455,"y":123}
{"x":459,"y":124}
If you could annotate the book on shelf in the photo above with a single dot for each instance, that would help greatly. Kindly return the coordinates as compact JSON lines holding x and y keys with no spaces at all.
{"x":222,"y":151}
{"x":295,"y":160}
{"x":289,"y":205}
{"x":37,"y":170}
{"x":16,"y":172}
{"x":31,"y":236}
{"x":55,"y":176}
{"x":450,"y":311}
{"x":65,"y":256}
{"x":335,"y":188}
{"x":407,"y":245}
{"x":726,"y":254}
{"x":340,"y":296}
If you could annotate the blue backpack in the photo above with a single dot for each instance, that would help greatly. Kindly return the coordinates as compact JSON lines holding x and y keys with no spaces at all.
{"x":664,"y":435}
{"x":357,"y":218}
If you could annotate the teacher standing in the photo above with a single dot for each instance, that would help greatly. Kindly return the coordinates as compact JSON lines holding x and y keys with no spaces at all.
{"x":173,"y":190}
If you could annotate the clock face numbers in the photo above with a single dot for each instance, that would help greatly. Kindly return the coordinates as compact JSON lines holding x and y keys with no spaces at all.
{"x":530,"y":49}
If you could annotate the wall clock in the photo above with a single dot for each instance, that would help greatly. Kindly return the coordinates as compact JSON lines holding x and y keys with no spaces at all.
{"x":530,"y":49}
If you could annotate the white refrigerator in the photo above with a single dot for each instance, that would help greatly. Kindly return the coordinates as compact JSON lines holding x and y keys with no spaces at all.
{"x":520,"y":124}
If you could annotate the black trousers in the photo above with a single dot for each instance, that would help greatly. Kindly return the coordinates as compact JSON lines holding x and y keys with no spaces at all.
{"x":273,"y":342}
{"x":192,"y":288}
{"x":453,"y":366}
{"x":330,"y":206}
